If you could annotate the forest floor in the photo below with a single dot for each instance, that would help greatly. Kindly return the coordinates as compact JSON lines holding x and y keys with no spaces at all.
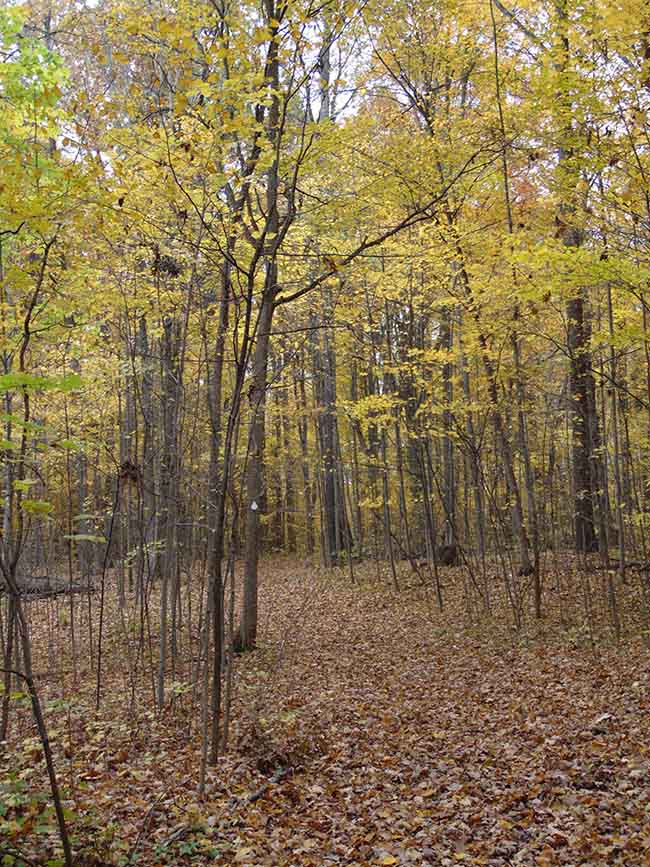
{"x":369,"y":728}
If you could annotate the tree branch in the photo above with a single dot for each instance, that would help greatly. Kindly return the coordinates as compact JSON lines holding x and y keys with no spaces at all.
{"x":417,"y":216}
{"x":519,"y":24}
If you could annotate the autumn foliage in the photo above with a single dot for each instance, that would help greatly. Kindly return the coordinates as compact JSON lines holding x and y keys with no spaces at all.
{"x":325,"y":448}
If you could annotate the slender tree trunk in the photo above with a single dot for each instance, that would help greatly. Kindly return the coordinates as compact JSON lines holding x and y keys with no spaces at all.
{"x":218,"y":474}
{"x":254,"y":483}
{"x":515,"y":341}
{"x":581,"y":380}
{"x":300,"y":398}
{"x":289,"y":505}
{"x":448,"y":457}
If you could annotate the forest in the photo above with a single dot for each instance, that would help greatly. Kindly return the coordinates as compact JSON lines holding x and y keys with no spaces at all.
{"x":324,"y":433}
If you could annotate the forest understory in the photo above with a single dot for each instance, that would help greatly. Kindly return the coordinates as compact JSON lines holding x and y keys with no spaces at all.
{"x":321,"y":325}
{"x":368,"y":728}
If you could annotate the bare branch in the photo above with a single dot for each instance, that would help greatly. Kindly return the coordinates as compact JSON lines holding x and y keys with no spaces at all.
{"x":519,"y":24}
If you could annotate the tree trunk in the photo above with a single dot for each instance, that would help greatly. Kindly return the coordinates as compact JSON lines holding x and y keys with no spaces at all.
{"x":254,"y":481}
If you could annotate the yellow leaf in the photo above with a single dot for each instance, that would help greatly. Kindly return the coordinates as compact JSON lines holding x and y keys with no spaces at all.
{"x":389,"y":859}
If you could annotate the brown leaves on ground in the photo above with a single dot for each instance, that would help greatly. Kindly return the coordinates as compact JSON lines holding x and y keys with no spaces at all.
{"x":370,"y":729}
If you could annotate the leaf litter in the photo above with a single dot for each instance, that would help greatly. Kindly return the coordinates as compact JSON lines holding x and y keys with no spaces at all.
{"x":368,"y":729}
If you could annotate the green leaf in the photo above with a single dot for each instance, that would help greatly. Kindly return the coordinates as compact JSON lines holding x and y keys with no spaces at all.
{"x":34,"y":382}
{"x":20,"y":422}
{"x":37,"y":507}
{"x":69,"y":383}
{"x":24,"y":484}
{"x":86,"y":537}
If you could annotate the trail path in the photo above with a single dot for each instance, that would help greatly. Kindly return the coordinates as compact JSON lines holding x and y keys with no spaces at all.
{"x":444,"y":748}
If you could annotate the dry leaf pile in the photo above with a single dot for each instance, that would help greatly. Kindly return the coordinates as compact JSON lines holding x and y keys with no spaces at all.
{"x":369,"y":729}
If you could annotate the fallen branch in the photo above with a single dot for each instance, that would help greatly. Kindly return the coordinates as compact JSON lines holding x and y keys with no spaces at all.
{"x":279,"y":775}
